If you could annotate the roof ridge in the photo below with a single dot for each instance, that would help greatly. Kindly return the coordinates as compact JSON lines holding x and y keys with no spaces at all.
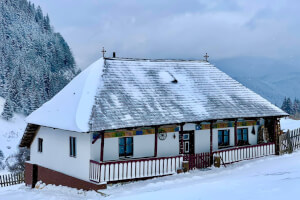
{"x":155,"y":60}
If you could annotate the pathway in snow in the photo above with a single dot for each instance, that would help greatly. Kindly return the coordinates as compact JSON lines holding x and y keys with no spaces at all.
{"x":274,"y":177}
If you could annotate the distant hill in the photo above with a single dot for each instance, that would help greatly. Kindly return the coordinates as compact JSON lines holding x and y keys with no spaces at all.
{"x":35,"y":61}
{"x":272,"y":79}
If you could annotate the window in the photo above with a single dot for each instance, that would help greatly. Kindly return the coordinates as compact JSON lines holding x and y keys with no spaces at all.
{"x":223,"y":137}
{"x":40,"y":145}
{"x":242,"y":136}
{"x":126,"y":146}
{"x":186,"y":147}
{"x":72,"y":146}
{"x":186,"y":136}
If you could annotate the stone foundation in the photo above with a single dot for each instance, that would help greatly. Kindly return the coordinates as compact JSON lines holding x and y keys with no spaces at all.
{"x":49,"y":176}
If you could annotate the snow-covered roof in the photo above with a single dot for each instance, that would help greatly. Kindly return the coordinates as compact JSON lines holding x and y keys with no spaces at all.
{"x":117,"y":93}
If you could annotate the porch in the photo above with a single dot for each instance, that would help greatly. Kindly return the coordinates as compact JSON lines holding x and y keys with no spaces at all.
{"x":145,"y":168}
{"x":153,"y":152}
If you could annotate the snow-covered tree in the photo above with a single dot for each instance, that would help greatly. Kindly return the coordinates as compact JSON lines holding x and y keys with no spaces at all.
{"x":35,"y":62}
{"x":1,"y":160}
{"x":287,"y":105}
{"x":7,"y":110}
{"x":16,"y":162}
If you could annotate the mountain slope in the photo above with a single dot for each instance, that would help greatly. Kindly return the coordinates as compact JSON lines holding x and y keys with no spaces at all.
{"x":273,"y":79}
{"x":35,"y":62}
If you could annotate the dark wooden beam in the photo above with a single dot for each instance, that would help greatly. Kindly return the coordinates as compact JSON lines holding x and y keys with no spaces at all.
{"x":235,"y":132}
{"x":276,"y":137}
{"x":211,"y":137}
{"x":181,"y":151}
{"x":102,"y":146}
{"x":211,"y":142}
{"x":155,"y":141}
{"x":98,"y":136}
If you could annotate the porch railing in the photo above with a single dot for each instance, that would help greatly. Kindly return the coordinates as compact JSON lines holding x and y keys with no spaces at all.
{"x":245,"y":153}
{"x":198,"y":161}
{"x":134,"y":169}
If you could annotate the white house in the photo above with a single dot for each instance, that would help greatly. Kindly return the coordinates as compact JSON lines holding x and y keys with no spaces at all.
{"x":125,"y":119}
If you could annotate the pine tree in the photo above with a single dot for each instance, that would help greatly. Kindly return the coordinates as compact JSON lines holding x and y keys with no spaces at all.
{"x":287,"y":106}
{"x":7,"y":110}
{"x":284,"y":105}
{"x":1,"y":160}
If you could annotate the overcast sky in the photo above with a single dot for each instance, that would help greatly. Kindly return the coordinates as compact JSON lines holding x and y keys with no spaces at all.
{"x":184,"y":29}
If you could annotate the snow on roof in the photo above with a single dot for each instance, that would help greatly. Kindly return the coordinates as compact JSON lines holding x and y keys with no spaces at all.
{"x":71,"y":108}
{"x":118,"y":93}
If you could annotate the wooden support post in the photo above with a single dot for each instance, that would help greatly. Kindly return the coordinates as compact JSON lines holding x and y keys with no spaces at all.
{"x":211,"y":142}
{"x":235,"y":133}
{"x":155,"y":141}
{"x":211,"y":137}
{"x":102,"y":146}
{"x":276,"y":137}
{"x":181,"y":151}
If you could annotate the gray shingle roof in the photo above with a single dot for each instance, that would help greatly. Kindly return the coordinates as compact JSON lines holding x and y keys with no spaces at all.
{"x":138,"y":92}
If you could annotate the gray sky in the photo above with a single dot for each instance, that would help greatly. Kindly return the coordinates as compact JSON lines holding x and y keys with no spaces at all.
{"x":177,"y":28}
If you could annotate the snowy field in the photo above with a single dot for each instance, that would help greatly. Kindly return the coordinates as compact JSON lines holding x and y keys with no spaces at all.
{"x":11,"y":132}
{"x":273,"y":177}
{"x":287,"y":123}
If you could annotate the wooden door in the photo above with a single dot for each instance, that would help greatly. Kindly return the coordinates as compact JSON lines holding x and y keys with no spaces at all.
{"x":34,"y":175}
{"x":187,"y":142}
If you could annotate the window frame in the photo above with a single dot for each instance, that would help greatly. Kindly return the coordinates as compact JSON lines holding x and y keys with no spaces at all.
{"x":40,"y":145}
{"x":72,"y":147}
{"x":223,"y":138}
{"x":242,"y":141}
{"x":126,"y":155}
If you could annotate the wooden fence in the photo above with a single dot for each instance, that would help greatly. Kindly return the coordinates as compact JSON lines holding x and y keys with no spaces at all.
{"x":237,"y":154}
{"x":198,"y":161}
{"x":289,"y":141}
{"x":11,"y":179}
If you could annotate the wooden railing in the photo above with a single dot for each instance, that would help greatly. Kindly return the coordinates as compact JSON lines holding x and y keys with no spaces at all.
{"x":289,"y":141}
{"x":198,"y":161}
{"x":134,"y":169}
{"x":237,"y":154}
{"x":11,"y":179}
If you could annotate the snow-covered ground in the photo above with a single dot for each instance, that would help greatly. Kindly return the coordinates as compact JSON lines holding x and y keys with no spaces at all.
{"x":287,"y":123}
{"x":273,"y":177}
{"x":11,"y":132}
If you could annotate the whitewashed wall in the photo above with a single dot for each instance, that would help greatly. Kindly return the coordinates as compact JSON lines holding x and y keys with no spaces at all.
{"x":56,"y":152}
{"x":202,"y":141}
{"x":95,"y":149}
{"x":111,"y":149}
{"x":169,"y":146}
{"x":253,"y":137}
{"x":143,"y":146}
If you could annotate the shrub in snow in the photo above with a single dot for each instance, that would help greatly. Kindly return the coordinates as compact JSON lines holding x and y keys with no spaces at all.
{"x":16,"y":162}
{"x":1,"y":160}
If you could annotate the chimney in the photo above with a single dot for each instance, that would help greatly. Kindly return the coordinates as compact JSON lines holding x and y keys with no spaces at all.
{"x":114,"y":54}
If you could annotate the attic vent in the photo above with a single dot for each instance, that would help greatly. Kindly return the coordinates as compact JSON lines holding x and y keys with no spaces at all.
{"x":167,"y":77}
{"x":175,"y":81}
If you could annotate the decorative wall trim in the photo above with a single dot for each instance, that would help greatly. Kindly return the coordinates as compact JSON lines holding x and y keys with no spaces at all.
{"x":135,"y":132}
{"x":206,"y":125}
